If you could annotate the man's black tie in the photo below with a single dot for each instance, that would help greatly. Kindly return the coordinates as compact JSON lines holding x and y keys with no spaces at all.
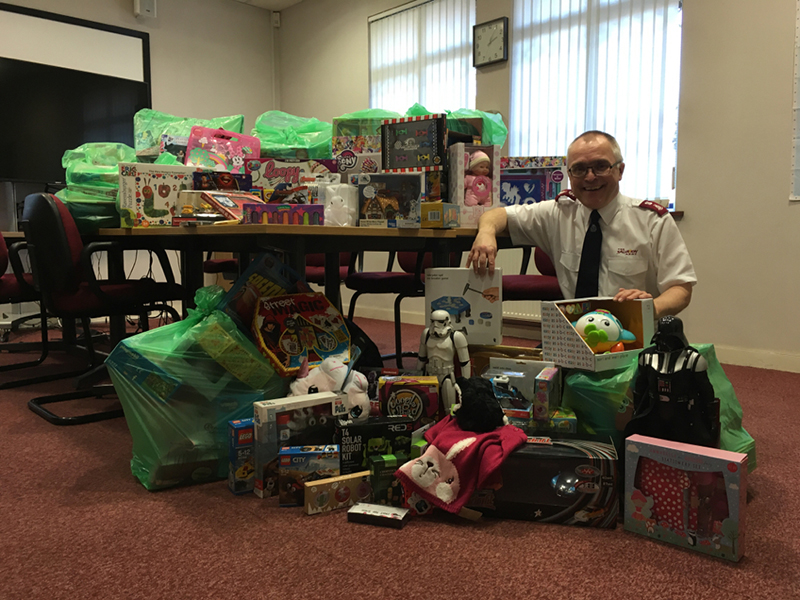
{"x":589,"y":271}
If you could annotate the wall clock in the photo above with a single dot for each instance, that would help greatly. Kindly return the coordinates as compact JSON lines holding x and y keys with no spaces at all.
{"x":490,"y":42}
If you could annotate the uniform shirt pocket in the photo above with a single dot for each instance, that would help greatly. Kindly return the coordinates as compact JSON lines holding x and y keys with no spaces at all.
{"x":570,"y":261}
{"x":627,"y":267}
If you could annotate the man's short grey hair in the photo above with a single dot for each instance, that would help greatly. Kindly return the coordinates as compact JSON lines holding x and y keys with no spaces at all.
{"x":611,"y":140}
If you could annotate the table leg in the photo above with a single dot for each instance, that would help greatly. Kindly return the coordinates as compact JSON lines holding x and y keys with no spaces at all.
{"x":191,"y":275}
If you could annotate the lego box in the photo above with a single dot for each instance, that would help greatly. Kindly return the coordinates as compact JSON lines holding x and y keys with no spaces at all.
{"x":562,"y":344}
{"x":325,"y":495}
{"x":241,"y":456}
{"x":690,"y":496}
{"x":298,"y":465}
{"x":416,"y":396}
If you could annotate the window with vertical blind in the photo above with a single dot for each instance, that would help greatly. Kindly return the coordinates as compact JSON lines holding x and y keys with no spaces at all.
{"x":422,"y":52}
{"x":612,"y":65}
{"x":794,"y":194}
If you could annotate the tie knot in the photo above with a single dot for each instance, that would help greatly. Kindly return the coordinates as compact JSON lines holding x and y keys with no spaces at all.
{"x":594,"y":217}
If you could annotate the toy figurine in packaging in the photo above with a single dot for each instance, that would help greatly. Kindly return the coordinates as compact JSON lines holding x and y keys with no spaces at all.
{"x":477,"y":180}
{"x":390,"y":199}
{"x":220,"y":150}
{"x":440,"y":348}
{"x":673,"y":397}
{"x":603,"y":332}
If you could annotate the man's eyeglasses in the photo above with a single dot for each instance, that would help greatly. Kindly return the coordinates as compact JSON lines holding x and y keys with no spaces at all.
{"x":599,"y":169}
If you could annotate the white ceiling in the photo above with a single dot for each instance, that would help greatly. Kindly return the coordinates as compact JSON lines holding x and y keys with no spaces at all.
{"x":271,"y":4}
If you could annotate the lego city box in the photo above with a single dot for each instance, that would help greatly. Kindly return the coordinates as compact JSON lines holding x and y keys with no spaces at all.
{"x":549,"y":480}
{"x":325,"y":495}
{"x":241,"y":456}
{"x":298,"y":465}
{"x":375,"y":436}
{"x":416,"y":396}
{"x":691,"y":496}
{"x":563,"y":345}
{"x":474,"y":302}
{"x":148,"y":193}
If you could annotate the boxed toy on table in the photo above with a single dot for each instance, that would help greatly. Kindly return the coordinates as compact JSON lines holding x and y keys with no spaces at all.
{"x":439,"y":215}
{"x":527,"y":180}
{"x":298,"y":465}
{"x":220,"y":150}
{"x":378,"y":435}
{"x":325,"y":495}
{"x":230,"y":205}
{"x":595,"y":334}
{"x":414,"y":144}
{"x":360,"y":132}
{"x":691,"y":496}
{"x":416,"y":396}
{"x":179,"y":393}
{"x":573,"y":482}
{"x":221,"y":181}
{"x":241,"y":456}
{"x":270,"y":174}
{"x":390,"y":199}
{"x":474,"y":180}
{"x":285,"y":214}
{"x":291,"y":421}
{"x":148,"y":194}
{"x":474,"y":302}
{"x":300,"y":327}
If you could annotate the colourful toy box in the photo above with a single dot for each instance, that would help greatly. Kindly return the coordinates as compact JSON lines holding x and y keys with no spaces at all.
{"x":573,"y":482}
{"x":458,"y":165}
{"x":390,"y":200}
{"x":148,"y":193}
{"x":285,"y":214}
{"x":241,"y":456}
{"x":474,"y":302}
{"x":376,"y":436}
{"x":562,"y":421}
{"x":290,"y":421}
{"x":386,"y":488}
{"x":548,"y":393}
{"x":690,"y":496}
{"x":298,"y":465}
{"x":439,"y":215}
{"x":269,"y":173}
{"x":525,"y":180}
{"x":562,"y":344}
{"x":414,"y":143}
{"x":416,"y":396}
{"x":298,"y":327}
{"x":325,"y":495}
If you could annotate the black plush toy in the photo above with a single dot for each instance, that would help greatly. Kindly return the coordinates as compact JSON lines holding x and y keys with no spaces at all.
{"x":478,"y":409}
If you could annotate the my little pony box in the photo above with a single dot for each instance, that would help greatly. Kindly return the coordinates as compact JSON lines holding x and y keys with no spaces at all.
{"x":563,"y":345}
{"x":690,"y":496}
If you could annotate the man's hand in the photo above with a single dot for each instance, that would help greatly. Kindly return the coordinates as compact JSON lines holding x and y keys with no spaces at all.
{"x":624,"y":294}
{"x":672,"y":301}
{"x":491,"y":294}
{"x":483,"y":253}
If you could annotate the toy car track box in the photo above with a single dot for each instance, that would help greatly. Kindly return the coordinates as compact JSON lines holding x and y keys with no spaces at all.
{"x":474,"y":302}
{"x":530,"y":179}
{"x":475,"y":190}
{"x":148,"y":193}
{"x":563,"y":345}
{"x":241,"y":456}
{"x":573,"y":482}
{"x":439,"y":215}
{"x":414,"y":144}
{"x":376,"y":436}
{"x":292,"y":421}
{"x":298,"y":327}
{"x":298,"y":465}
{"x":691,"y":496}
{"x":325,"y":495}
{"x":386,"y":488}
{"x":416,"y":396}
{"x":548,"y":393}
{"x":390,"y":200}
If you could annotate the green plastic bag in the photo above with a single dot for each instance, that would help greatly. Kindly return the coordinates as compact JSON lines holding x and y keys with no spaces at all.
{"x":603,"y":403}
{"x":289,"y":137}
{"x":493,"y":130}
{"x":149,"y":125}
{"x":180,"y":384}
{"x":95,"y":164}
{"x":89,"y":213}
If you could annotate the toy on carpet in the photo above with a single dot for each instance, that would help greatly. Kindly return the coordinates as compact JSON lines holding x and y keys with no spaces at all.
{"x":458,"y":461}
{"x":332,"y":375}
{"x":438,"y":347}
{"x":477,"y":184}
{"x":673,"y":397}
{"x":603,"y":332}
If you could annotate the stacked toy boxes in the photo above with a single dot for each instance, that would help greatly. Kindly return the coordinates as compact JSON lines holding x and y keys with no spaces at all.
{"x":531,"y":179}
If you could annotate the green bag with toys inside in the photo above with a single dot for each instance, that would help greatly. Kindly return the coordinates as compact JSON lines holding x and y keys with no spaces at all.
{"x":180,"y":384}
{"x":603,"y":403}
{"x":150,"y":125}
{"x":290,"y":137}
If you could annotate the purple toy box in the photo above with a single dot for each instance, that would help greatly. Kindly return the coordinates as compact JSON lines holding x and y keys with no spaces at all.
{"x":286,"y":214}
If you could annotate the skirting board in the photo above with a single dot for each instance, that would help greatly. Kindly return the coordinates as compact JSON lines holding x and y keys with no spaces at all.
{"x":761,"y":359}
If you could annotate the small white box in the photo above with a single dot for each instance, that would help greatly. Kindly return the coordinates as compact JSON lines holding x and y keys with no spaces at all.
{"x":475,"y":303}
{"x":562,"y":344}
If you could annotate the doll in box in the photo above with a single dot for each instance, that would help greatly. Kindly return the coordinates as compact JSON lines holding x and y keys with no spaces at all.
{"x":477,"y":180}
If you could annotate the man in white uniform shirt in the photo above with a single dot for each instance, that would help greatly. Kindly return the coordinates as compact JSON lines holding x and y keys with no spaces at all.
{"x":642,"y":253}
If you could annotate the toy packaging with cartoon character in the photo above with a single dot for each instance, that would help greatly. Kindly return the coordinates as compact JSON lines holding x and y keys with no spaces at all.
{"x":691,"y":496}
{"x":298,"y":465}
{"x":376,"y":436}
{"x":241,"y":456}
{"x":416,"y":396}
{"x":297,"y":327}
{"x":220,"y":150}
{"x":148,"y":194}
{"x":325,"y":495}
{"x":392,"y":200}
{"x":531,"y":179}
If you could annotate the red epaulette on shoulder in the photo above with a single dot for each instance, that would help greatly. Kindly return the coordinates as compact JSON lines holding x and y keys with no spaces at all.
{"x":566,"y":194}
{"x":654,"y":206}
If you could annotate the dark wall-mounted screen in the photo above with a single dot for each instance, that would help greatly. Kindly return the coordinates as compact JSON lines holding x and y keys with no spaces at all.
{"x":46,"y":110}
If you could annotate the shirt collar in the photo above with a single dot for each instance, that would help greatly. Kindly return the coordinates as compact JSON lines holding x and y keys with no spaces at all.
{"x":607,"y":213}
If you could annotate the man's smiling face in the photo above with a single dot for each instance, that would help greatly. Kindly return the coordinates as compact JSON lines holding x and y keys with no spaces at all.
{"x":592,"y":190}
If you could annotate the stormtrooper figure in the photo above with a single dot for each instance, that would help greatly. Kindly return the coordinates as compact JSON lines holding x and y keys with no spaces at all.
{"x":440,"y":346}
{"x":673,"y":397}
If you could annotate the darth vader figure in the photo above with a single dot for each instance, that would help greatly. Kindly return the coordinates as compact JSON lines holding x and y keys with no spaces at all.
{"x":673,"y":397}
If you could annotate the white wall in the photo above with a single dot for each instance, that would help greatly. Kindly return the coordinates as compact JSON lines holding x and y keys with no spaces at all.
{"x":734,"y":152}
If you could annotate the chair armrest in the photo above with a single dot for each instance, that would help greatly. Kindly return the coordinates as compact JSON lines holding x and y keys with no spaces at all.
{"x":353,"y":267}
{"x":16,"y":264}
{"x":390,"y":264}
{"x":114,"y":253}
{"x":418,"y":269}
{"x":526,"y":260}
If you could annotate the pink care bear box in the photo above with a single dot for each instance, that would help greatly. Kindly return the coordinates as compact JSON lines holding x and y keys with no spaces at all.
{"x":474,"y":180}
